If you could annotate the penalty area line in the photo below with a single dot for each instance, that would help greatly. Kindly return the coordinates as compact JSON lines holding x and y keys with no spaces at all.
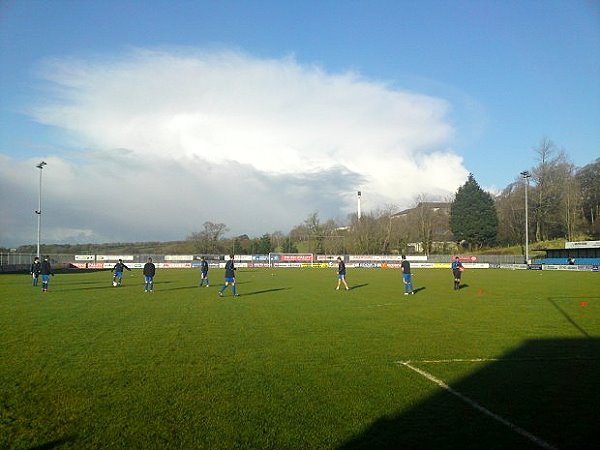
{"x":530,"y":359}
{"x":479,"y":407}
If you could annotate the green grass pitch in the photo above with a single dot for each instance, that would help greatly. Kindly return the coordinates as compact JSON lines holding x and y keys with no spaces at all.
{"x":294,"y":364}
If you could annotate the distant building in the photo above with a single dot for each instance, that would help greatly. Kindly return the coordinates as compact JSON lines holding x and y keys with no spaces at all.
{"x":579,"y":252}
{"x":429,"y":222}
{"x":436,"y":207}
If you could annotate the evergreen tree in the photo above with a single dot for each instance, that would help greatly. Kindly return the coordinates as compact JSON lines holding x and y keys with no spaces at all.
{"x":473,"y":215}
{"x":263,"y":246}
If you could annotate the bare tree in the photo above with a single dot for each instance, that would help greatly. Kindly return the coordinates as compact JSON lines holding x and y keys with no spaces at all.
{"x":315,"y":233}
{"x":510,"y":205}
{"x":206,"y":241}
{"x":424,"y":216}
{"x":548,"y":178}
{"x":571,"y":202}
{"x":334,"y":239}
{"x":588,"y":178}
{"x":559,"y":195}
{"x":386,"y":227}
{"x":277,"y":238}
{"x":363,"y":234}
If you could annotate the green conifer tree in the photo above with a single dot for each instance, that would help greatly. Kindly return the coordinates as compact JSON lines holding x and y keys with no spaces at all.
{"x":473,"y":217}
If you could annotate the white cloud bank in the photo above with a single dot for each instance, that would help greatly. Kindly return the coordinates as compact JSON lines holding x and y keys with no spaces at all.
{"x":170,"y":139}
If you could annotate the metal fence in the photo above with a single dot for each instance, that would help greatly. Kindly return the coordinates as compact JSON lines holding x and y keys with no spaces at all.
{"x":21,"y":262}
{"x":17,"y":262}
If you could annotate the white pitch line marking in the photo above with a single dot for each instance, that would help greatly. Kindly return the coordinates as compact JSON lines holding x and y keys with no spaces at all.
{"x":531,"y":359}
{"x":479,"y":407}
{"x":440,"y":361}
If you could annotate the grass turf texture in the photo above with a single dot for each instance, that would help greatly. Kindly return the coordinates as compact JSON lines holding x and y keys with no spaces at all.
{"x":293,"y":363}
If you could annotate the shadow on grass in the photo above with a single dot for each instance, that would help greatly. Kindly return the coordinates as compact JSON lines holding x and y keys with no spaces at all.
{"x":419,"y":289}
{"x":569,"y":318}
{"x":264,"y":291}
{"x":97,"y":286}
{"x":54,"y":444}
{"x":463,"y":286}
{"x":180,"y":288}
{"x":76,"y":271}
{"x":89,"y":288}
{"x":541,"y":395}
{"x":237,"y":283}
{"x":358,"y":286}
{"x":79,"y":283}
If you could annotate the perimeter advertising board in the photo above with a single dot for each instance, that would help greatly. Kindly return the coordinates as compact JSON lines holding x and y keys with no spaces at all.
{"x":85,"y":257}
{"x":293,"y":258}
{"x":386,"y":257}
{"x":179,"y":257}
{"x":582,"y":244}
{"x":569,"y":267}
{"x":114,"y":257}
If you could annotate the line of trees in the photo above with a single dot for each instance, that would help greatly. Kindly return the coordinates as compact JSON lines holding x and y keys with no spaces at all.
{"x":563,"y":200}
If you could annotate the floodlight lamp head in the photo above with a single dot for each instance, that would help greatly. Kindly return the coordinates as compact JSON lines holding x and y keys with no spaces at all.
{"x":525,"y":174}
{"x":41,"y":165}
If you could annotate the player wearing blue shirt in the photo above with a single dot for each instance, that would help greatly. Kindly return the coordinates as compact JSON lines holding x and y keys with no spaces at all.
{"x":229,"y":277}
{"x":118,"y":272}
{"x":457,"y":269}
{"x":406,"y":276}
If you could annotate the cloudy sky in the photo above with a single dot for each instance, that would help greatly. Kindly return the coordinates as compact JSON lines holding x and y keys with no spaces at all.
{"x":155,"y":117}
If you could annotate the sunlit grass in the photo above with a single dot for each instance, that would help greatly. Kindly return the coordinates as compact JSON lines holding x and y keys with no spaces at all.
{"x":291,"y":363}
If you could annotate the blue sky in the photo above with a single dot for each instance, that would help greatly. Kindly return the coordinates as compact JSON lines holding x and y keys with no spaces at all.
{"x":155,"y":117}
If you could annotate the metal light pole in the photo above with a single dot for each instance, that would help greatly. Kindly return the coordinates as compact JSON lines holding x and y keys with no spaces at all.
{"x":526,"y":176}
{"x":358,"y":211}
{"x":39,"y":210}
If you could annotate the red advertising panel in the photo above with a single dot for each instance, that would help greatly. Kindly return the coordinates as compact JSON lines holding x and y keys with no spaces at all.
{"x":287,"y":258}
{"x":467,"y":258}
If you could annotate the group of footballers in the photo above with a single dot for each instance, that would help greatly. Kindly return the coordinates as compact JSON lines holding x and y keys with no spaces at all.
{"x":456,"y":266}
{"x":149,"y":272}
{"x":44,"y":269}
{"x":457,"y":270}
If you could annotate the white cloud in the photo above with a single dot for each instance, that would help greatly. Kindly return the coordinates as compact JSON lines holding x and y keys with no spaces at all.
{"x":176,"y":138}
